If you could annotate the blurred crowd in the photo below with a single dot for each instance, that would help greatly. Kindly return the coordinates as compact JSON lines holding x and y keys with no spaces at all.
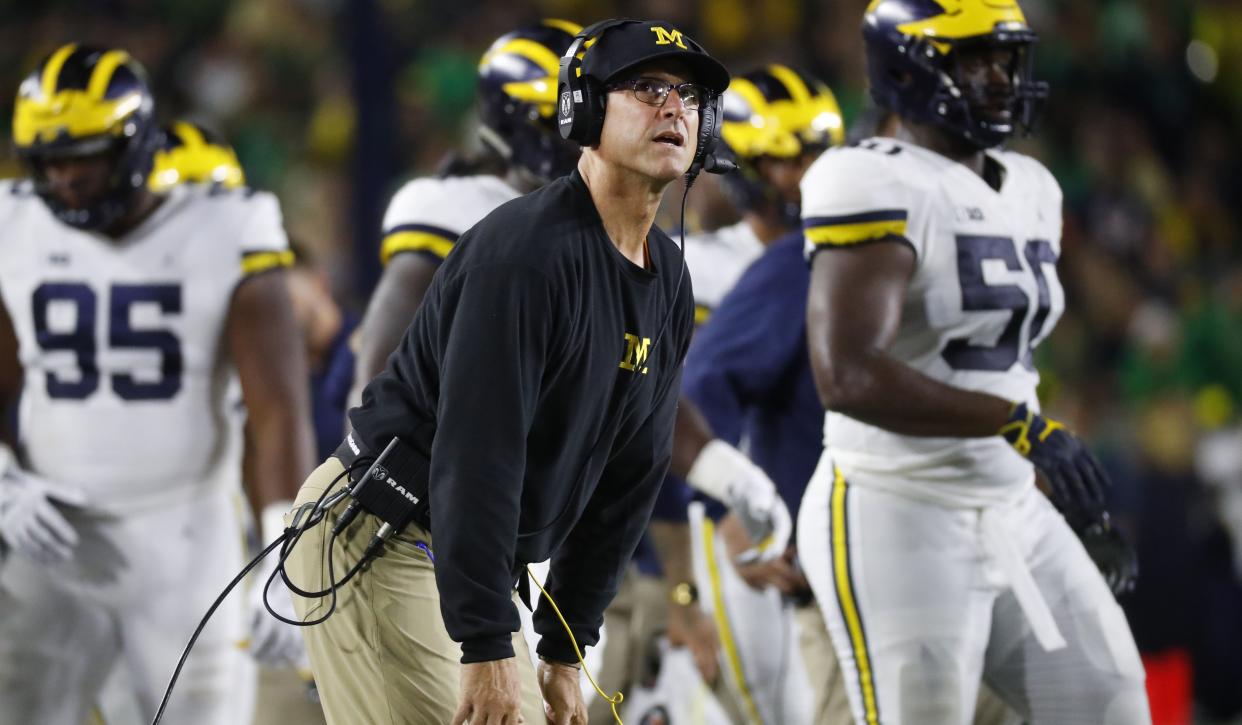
{"x":332,"y":103}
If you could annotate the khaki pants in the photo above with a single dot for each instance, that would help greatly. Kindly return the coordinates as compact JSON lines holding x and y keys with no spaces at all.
{"x":632,"y":622}
{"x":383,"y":657}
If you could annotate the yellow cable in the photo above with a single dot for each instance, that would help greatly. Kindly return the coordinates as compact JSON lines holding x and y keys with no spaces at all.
{"x":612,"y":701}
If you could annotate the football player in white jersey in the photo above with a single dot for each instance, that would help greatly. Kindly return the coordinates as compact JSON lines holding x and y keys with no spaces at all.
{"x":125,"y":315}
{"x":523,"y":150}
{"x":936,"y":560}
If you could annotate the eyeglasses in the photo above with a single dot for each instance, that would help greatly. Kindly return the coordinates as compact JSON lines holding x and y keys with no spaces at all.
{"x":654,"y":92}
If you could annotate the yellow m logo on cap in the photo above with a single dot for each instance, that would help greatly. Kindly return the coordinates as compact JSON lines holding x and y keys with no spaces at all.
{"x":664,"y":37}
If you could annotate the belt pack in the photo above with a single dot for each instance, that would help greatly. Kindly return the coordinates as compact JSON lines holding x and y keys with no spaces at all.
{"x":393,"y":486}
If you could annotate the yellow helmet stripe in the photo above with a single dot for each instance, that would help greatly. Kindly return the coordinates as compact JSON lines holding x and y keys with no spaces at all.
{"x":51,"y":71}
{"x":967,"y":19}
{"x":749,"y":92}
{"x":568,"y":26}
{"x":189,"y":133}
{"x":532,"y":51}
{"x":793,"y":82}
{"x":102,"y":74}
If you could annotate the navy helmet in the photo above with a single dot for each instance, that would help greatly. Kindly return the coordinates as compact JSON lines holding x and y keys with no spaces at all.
{"x":82,"y":101}
{"x":517,"y":98}
{"x":912,"y":50}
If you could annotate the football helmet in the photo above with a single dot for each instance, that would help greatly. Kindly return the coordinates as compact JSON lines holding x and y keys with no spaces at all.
{"x":517,"y":98}
{"x":775,"y":112}
{"x":192,"y":153}
{"x":912,"y":54}
{"x":83,"y":101}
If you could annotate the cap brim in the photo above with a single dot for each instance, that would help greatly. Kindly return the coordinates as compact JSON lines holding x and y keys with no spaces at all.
{"x":706,"y":69}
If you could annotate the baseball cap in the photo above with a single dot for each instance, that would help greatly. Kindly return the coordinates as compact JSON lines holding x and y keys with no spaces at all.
{"x":636,"y":42}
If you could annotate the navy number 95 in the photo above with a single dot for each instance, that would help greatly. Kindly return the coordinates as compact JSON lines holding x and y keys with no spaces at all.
{"x":121,"y":335}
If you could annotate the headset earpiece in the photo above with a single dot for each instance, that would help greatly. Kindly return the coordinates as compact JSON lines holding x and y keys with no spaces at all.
{"x":580,"y":100}
{"x":705,"y":158}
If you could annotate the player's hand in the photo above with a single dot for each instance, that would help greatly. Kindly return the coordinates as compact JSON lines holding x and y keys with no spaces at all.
{"x":724,"y":472}
{"x":1116,"y":559}
{"x":562,"y":694}
{"x":31,"y":523}
{"x":273,"y":642}
{"x":1078,"y":482}
{"x":690,"y":627}
{"x":491,"y":694}
{"x":779,"y":572}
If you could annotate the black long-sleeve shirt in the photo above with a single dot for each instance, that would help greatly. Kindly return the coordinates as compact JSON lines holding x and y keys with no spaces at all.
{"x":536,"y":359}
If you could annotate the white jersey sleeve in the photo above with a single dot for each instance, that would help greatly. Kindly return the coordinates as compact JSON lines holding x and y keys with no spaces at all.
{"x":856,"y":194}
{"x":264,"y":244}
{"x":426,"y":216}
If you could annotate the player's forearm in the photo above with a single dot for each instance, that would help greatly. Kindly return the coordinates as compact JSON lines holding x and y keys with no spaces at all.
{"x":396,"y":299}
{"x":874,"y":388}
{"x":283,"y":454}
{"x":691,"y":432}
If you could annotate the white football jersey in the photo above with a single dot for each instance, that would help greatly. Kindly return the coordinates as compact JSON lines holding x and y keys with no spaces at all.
{"x":716,"y":260}
{"x":120,"y":340}
{"x":428,"y":215}
{"x":984,"y":293}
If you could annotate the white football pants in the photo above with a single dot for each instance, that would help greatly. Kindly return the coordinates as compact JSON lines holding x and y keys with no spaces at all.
{"x":923,"y":601}
{"x":130,"y":598}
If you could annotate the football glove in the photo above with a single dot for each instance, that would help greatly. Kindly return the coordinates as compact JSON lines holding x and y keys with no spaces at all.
{"x":1112,"y":554}
{"x":724,"y":473}
{"x":273,"y":642}
{"x":1078,"y":481}
{"x":31,"y":523}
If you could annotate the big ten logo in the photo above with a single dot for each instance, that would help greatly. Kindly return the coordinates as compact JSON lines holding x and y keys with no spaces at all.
{"x":669,"y":37}
{"x":636,"y":353}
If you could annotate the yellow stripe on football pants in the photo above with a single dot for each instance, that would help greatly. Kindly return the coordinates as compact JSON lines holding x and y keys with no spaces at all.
{"x":727,"y":645}
{"x":849,"y":604}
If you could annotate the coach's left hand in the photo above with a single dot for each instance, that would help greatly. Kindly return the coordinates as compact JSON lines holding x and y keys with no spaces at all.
{"x":562,"y":694}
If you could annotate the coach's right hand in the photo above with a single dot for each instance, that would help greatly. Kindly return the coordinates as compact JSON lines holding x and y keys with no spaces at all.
{"x":562,"y":693}
{"x":491,"y":694}
{"x":30,"y":523}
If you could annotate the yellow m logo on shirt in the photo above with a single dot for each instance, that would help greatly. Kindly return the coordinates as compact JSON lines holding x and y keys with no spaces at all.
{"x":665,"y":37}
{"x":636,"y":353}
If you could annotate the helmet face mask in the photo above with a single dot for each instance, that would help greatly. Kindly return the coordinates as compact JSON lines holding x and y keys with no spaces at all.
{"x":925,"y":73}
{"x":82,"y":103}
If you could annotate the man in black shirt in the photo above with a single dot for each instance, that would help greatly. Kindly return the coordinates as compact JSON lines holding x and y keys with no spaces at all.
{"x":539,"y":380}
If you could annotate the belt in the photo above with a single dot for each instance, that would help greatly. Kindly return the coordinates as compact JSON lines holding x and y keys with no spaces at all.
{"x":998,"y":540}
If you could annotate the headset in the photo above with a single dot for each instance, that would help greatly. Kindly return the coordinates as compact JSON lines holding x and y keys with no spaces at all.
{"x":580,"y":104}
